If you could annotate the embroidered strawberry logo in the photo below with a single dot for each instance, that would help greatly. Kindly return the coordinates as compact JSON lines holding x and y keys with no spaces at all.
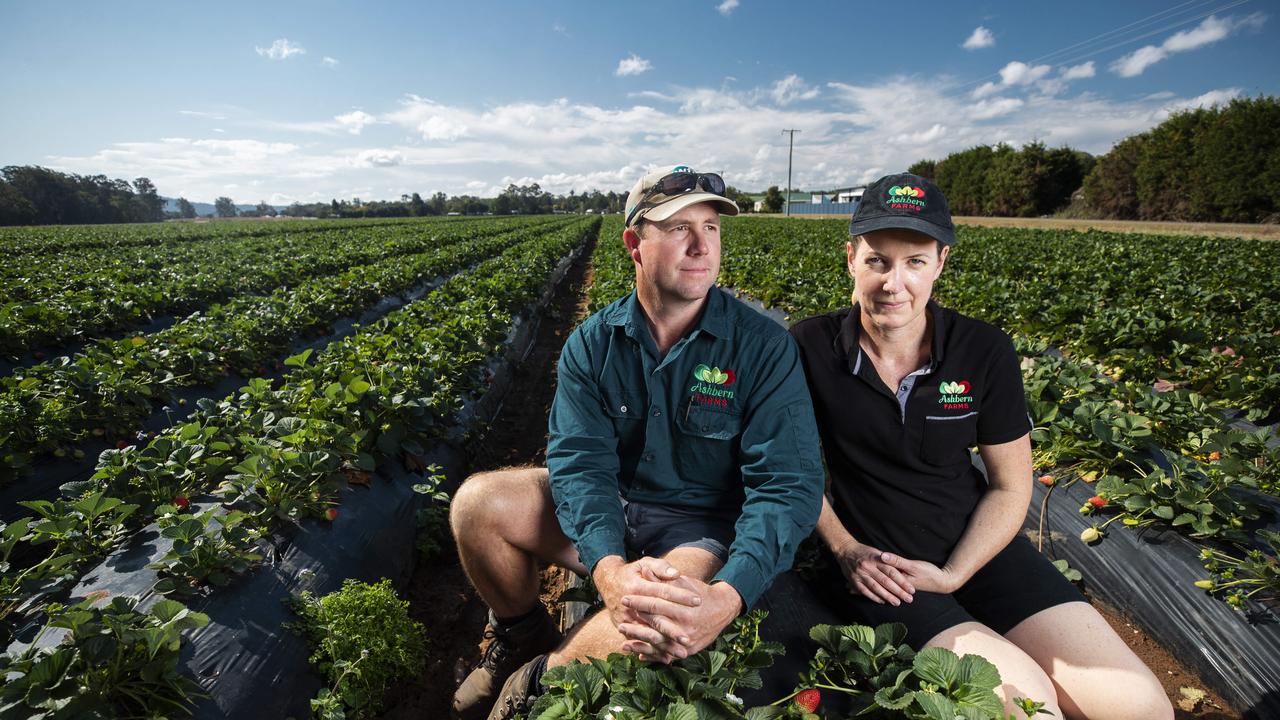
{"x":714,"y":375}
{"x":809,"y":699}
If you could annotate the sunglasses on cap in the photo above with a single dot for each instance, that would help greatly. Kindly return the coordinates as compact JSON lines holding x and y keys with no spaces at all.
{"x":675,"y":184}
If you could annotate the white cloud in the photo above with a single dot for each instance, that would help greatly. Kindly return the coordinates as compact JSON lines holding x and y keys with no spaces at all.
{"x":1209,"y":99}
{"x":329,"y":61}
{"x":633,"y":65}
{"x":727,"y":6}
{"x":995,"y":107}
{"x":559,"y":29}
{"x":980,"y":38}
{"x":202,"y":114}
{"x":1020,"y":73}
{"x":281,"y":49}
{"x":851,"y":133}
{"x":1210,"y":30}
{"x":355,"y":121}
{"x":922,"y":137}
{"x":1078,"y":72}
{"x":792,"y":88}
{"x":377,"y":158}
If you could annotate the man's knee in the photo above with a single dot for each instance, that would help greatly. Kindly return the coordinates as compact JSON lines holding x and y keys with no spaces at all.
{"x":498,"y":496}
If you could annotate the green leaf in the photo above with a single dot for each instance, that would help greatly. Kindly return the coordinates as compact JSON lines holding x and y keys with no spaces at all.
{"x":935,"y":706}
{"x":300,"y":359}
{"x":937,"y":665}
{"x":1164,"y":512}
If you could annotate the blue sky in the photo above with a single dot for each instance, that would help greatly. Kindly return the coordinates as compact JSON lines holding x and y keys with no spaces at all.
{"x":307,"y":101}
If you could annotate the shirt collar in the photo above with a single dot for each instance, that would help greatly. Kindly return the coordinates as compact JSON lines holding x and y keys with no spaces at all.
{"x":714,"y":319}
{"x":846,"y":342}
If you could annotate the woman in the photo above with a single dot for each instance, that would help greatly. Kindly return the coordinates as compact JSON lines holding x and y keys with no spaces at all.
{"x":902,"y":389}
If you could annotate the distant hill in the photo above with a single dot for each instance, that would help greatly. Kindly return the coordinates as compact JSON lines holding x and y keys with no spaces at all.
{"x":204,"y":208}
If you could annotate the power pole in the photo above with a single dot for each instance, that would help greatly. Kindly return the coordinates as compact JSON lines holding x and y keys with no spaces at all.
{"x":790,"y":146}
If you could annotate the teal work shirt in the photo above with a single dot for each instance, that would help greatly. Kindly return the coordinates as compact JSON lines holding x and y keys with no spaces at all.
{"x":724,"y":420}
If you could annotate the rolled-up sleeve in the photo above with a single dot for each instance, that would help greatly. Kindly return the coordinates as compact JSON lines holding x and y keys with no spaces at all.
{"x":781,"y":472}
{"x":582,"y":458}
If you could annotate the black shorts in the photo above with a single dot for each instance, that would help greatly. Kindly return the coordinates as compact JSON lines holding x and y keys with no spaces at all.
{"x":655,"y":530}
{"x":1014,"y":585}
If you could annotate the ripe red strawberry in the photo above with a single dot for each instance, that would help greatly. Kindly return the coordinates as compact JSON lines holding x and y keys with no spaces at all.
{"x":808,"y":699}
{"x":1098,"y":501}
{"x":331,"y":514}
{"x":182,"y":502}
{"x":1047,"y":480}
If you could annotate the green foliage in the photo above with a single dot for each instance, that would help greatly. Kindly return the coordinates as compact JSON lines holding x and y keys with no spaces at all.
{"x":208,"y":549}
{"x":364,"y":641}
{"x":225,"y":207}
{"x":114,"y":661}
{"x":1111,"y":188}
{"x":1219,"y":164}
{"x":924,"y":168}
{"x":32,"y":195}
{"x":433,"y":518}
{"x":887,"y":679}
{"x":773,"y":200}
{"x":1002,"y":181}
{"x":700,"y":686}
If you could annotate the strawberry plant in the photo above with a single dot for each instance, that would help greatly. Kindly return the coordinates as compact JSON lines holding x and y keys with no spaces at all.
{"x":208,"y":549}
{"x":113,"y":661}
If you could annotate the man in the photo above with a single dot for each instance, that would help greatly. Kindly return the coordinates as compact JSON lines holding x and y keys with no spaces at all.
{"x":681,"y":433}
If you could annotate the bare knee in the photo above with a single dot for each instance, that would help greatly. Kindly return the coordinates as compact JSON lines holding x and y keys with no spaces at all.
{"x":490,"y":501}
{"x":1020,"y":675}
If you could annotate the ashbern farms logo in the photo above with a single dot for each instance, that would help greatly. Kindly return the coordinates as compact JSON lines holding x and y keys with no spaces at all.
{"x":712,"y":387}
{"x":955,"y":395}
{"x":682,"y":169}
{"x":905,"y":197}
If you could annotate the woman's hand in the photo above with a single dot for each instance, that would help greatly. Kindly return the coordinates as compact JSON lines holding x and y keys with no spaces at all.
{"x":870,"y":574}
{"x":923,"y":575}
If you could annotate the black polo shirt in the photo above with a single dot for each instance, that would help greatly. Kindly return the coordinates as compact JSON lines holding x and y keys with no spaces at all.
{"x":898,"y":459}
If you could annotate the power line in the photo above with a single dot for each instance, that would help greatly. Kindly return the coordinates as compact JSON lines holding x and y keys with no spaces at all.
{"x":1135,"y":25}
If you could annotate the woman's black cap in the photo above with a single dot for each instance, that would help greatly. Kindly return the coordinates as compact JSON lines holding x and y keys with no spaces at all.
{"x":904,"y":202}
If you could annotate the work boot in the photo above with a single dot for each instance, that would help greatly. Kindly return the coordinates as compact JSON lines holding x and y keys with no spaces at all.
{"x":520,"y":691}
{"x":509,"y":648}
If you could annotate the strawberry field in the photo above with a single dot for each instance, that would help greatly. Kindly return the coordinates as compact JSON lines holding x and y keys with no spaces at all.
{"x":184,"y":409}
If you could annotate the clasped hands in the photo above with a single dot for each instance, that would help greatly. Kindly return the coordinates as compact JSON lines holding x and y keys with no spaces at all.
{"x":664,"y":614}
{"x":884,"y":577}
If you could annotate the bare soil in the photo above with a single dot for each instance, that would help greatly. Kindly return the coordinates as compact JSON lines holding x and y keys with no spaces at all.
{"x":442,"y":599}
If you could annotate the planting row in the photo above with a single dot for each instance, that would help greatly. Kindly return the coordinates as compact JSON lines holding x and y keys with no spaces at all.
{"x":272,"y":456}
{"x":15,"y":241}
{"x":111,"y":387}
{"x":59,"y":298}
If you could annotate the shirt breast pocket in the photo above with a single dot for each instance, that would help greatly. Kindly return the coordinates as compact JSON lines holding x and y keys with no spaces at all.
{"x":946,"y":439}
{"x":705,"y":443}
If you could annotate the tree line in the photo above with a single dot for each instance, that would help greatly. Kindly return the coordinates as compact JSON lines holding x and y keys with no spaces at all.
{"x":31,"y":195}
{"x":1219,"y":164}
